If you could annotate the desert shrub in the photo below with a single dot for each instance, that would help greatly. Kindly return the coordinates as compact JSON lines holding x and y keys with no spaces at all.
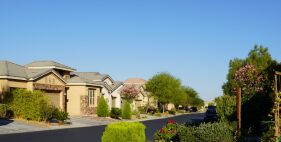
{"x":26,"y":104}
{"x":137,"y":114}
{"x":115,"y":113}
{"x":124,"y":132}
{"x":102,"y":110}
{"x":181,"y":111}
{"x":60,"y":115}
{"x":142,"y":109}
{"x":127,"y":112}
{"x":210,"y":132}
{"x":158,"y":114}
{"x":3,"y":110}
{"x":167,"y":133}
{"x":47,"y":112}
{"x":173,"y":111}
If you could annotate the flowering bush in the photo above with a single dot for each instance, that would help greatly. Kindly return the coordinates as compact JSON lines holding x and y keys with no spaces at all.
{"x":129,"y":92}
{"x":167,"y":133}
{"x":249,"y":79}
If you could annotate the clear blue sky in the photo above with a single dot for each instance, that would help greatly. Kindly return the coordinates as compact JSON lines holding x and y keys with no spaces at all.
{"x":192,"y":39}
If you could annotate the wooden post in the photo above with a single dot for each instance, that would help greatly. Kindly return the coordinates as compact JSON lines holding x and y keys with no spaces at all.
{"x":238,"y":108}
{"x":276,"y":113}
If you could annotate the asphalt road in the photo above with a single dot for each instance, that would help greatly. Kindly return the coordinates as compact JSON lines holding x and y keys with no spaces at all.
{"x":89,"y":134}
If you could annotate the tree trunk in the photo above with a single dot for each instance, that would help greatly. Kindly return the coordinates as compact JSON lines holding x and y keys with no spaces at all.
{"x":163,"y":107}
{"x":238,"y":108}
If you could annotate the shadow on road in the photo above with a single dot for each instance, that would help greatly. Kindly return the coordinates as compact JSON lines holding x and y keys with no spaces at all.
{"x":5,"y":122}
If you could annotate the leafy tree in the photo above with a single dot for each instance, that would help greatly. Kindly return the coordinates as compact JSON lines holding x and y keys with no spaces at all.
{"x":179,"y":98}
{"x":163,"y":87}
{"x":254,"y":75}
{"x":193,"y":98}
{"x":102,"y":110}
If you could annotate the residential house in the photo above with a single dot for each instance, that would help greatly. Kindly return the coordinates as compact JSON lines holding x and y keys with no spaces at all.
{"x":85,"y":90}
{"x":48,"y":76}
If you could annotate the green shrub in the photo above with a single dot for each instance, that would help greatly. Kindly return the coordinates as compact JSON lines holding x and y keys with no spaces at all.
{"x":102,"y":110}
{"x":28,"y":105}
{"x":3,"y":110}
{"x":181,"y":111}
{"x":127,"y":113}
{"x":124,"y":132}
{"x":167,"y":133}
{"x":210,"y":132}
{"x":60,"y":115}
{"x":115,"y":113}
{"x":142,"y":109}
{"x":172,"y":111}
{"x":137,"y":114}
{"x":158,"y":114}
{"x":226,"y":107}
{"x":47,"y":112}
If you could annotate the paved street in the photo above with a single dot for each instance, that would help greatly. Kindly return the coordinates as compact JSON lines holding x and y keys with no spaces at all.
{"x":88,"y":134}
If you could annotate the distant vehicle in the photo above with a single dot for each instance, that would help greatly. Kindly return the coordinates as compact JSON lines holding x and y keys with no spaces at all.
{"x":211,"y":114}
{"x":191,"y":109}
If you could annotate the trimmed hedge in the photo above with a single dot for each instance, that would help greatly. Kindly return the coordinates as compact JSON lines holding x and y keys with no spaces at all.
{"x":115,"y":113}
{"x":127,"y":112}
{"x":102,"y":110}
{"x":210,"y":132}
{"x":124,"y":132}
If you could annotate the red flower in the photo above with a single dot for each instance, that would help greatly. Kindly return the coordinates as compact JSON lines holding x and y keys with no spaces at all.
{"x":170,"y":121}
{"x":161,"y":131}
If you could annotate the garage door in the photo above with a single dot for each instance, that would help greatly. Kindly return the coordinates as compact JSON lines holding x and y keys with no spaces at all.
{"x":54,"y":97}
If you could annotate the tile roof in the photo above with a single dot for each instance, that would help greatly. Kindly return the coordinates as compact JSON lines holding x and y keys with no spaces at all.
{"x":135,"y":81}
{"x":48,"y":63}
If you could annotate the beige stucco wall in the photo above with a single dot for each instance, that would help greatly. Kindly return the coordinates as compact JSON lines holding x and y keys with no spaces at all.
{"x":73,"y":96}
{"x":50,"y":79}
{"x":17,"y":84}
{"x":3,"y":85}
{"x":117,"y":99}
{"x":107,"y":97}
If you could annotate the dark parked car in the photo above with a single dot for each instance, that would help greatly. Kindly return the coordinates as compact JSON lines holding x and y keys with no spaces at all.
{"x":211,"y":115}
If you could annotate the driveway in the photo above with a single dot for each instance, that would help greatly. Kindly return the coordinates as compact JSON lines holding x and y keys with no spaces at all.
{"x":89,"y":134}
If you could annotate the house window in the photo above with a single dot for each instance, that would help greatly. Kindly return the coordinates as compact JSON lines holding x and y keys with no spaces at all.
{"x":91,"y":97}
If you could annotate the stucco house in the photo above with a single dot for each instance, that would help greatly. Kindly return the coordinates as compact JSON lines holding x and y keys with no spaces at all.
{"x":78,"y":93}
{"x":85,"y":89}
{"x":48,"y":76}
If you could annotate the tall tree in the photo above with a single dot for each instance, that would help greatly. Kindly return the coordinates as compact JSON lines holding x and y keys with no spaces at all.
{"x":163,"y":87}
{"x":193,"y":98}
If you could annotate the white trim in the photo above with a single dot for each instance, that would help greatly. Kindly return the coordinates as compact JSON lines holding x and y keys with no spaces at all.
{"x":52,"y":67}
{"x":12,"y":77}
{"x":82,"y":84}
